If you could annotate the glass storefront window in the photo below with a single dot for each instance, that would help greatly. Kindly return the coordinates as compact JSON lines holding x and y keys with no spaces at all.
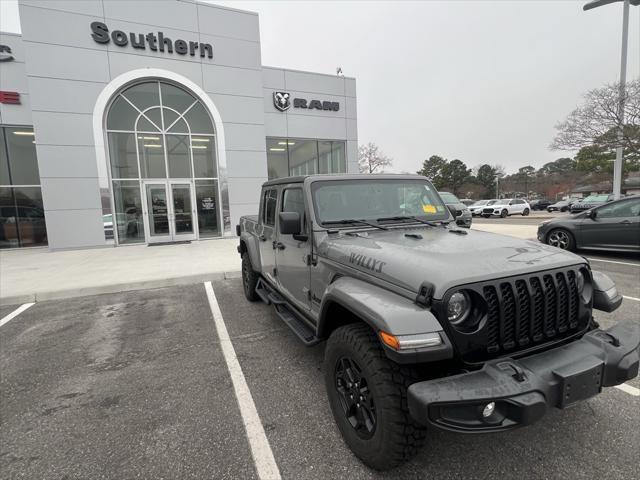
{"x":296,"y":156}
{"x":22,"y":222}
{"x":128,"y":213}
{"x":151,"y":152}
{"x":198,"y":119}
{"x":303,"y":157}
{"x":174,"y":140}
{"x":30,"y":220}
{"x":122,"y":152}
{"x":277,"y":162}
{"x":203,"y":150}
{"x":4,"y":162}
{"x":178,"y":156}
{"x":21,"y":149}
{"x":207,"y":208}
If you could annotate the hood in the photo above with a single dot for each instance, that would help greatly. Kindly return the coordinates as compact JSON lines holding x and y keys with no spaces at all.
{"x":443,"y":258}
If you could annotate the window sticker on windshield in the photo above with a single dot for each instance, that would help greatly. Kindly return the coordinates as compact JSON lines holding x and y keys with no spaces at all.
{"x":428,"y":208}
{"x":440,"y":208}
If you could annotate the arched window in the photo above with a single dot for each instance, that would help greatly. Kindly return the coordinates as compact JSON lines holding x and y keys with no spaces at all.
{"x":159,"y":132}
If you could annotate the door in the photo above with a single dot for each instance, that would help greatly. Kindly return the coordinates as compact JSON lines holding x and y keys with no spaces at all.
{"x":157,"y":214}
{"x":292,"y":255}
{"x":616,"y":225}
{"x":169,"y":215}
{"x":267,"y":233}
{"x":182,"y":211}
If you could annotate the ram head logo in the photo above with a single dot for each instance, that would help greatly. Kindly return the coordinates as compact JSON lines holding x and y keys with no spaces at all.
{"x":281,"y":101}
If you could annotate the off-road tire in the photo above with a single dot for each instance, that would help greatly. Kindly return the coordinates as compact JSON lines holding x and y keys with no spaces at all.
{"x":504,"y":213}
{"x":249,"y":278}
{"x":397,"y":437}
{"x":525,"y":212}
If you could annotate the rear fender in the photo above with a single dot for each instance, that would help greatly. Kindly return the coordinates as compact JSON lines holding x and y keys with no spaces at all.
{"x":249,"y":243}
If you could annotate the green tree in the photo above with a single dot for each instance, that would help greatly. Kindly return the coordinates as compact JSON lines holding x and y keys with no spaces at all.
{"x":453,"y":175}
{"x":432,"y":168}
{"x":486,"y":176}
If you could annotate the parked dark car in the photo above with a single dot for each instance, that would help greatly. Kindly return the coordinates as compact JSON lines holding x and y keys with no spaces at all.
{"x":451,"y":201}
{"x":561,"y":206}
{"x":540,"y":204}
{"x":590,"y":202}
{"x":613,"y":226}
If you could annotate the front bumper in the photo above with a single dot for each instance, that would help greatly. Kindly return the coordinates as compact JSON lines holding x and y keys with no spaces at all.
{"x":523,"y":390}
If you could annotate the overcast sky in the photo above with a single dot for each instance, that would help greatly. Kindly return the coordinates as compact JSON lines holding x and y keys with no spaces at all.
{"x":482,"y":81}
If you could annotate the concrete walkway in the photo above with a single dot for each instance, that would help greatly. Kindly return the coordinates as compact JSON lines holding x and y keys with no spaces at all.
{"x":38,"y":274}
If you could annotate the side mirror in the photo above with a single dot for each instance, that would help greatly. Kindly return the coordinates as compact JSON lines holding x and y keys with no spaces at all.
{"x":592,"y":214}
{"x":456,"y":213}
{"x":289,"y":223}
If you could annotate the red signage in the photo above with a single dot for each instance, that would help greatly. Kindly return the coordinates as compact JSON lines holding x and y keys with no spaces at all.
{"x":12,"y":98}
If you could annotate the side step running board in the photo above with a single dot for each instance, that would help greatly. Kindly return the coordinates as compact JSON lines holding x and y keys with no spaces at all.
{"x":299,"y":326}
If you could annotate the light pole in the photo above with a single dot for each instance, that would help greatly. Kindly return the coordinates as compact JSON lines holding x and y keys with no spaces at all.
{"x":617,"y":167}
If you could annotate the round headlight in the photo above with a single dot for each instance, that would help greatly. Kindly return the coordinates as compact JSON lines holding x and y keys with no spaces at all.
{"x":580,"y":281}
{"x":458,"y":307}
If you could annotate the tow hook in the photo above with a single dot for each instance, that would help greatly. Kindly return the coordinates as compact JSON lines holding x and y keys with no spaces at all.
{"x":518,"y":374}
{"x":607,"y":337}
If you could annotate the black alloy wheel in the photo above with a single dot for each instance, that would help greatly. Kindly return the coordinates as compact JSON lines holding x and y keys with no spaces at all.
{"x":525,"y":212}
{"x":504,"y":213}
{"x":561,"y":238}
{"x":355,"y":397}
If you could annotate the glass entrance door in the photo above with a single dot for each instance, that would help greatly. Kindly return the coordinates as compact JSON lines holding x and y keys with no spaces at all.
{"x":169,"y":214}
{"x":182,"y":211}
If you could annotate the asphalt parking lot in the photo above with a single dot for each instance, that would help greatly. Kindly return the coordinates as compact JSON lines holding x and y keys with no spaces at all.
{"x":136,"y":384}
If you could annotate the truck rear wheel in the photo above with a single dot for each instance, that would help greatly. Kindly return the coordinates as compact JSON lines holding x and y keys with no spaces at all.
{"x":368,"y":397}
{"x":249,"y":278}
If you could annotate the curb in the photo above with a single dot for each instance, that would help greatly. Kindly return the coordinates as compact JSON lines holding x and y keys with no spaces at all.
{"x":117,"y":288}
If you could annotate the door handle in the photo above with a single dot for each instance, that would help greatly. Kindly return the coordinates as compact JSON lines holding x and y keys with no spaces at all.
{"x":278,"y":245}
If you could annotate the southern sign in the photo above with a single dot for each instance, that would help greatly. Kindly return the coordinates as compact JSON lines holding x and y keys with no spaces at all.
{"x":156,"y":43}
{"x":5,"y":53}
{"x":282,"y":102}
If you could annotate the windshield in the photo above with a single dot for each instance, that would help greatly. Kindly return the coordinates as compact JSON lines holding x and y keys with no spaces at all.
{"x":373,"y":199}
{"x":596,"y":198}
{"x":480,"y":203}
{"x":449,"y":197}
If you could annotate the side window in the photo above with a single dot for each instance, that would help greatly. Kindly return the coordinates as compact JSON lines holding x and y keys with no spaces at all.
{"x":293,"y":201}
{"x":269,"y":207}
{"x":629,"y":208}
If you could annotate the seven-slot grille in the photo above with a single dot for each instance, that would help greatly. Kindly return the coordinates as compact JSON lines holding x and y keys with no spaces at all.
{"x":527,"y":311}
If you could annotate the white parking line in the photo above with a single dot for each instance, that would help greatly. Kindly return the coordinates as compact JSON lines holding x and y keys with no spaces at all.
{"x":260,"y":449}
{"x":612,"y":261}
{"x":15,"y":313}
{"x":631,"y":298}
{"x":629,"y":389}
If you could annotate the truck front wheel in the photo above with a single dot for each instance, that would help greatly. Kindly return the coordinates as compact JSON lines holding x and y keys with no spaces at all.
{"x":368,"y":397}
{"x":249,"y":278}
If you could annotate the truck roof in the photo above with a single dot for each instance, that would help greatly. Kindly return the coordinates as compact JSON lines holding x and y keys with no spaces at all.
{"x":343,"y":176}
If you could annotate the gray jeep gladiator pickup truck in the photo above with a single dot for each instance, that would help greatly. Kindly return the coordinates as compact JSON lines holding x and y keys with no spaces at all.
{"x":427,"y":324}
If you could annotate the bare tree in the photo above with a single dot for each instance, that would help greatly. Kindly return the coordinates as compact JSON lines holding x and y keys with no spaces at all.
{"x":596,"y":121}
{"x":371,"y":159}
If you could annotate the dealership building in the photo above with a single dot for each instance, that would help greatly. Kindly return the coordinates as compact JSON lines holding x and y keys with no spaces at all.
{"x":143,"y":122}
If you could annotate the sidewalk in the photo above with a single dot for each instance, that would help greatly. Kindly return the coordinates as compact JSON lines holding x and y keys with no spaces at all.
{"x":525,"y":232}
{"x":38,"y":274}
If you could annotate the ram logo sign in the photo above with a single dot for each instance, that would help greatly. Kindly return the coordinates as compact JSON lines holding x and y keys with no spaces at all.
{"x":281,"y":101}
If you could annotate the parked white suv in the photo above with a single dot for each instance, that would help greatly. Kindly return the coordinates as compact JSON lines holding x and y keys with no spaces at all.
{"x":507,"y":206}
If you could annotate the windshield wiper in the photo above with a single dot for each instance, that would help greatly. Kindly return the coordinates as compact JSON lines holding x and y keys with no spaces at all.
{"x":353,"y":220}
{"x":438,"y":223}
